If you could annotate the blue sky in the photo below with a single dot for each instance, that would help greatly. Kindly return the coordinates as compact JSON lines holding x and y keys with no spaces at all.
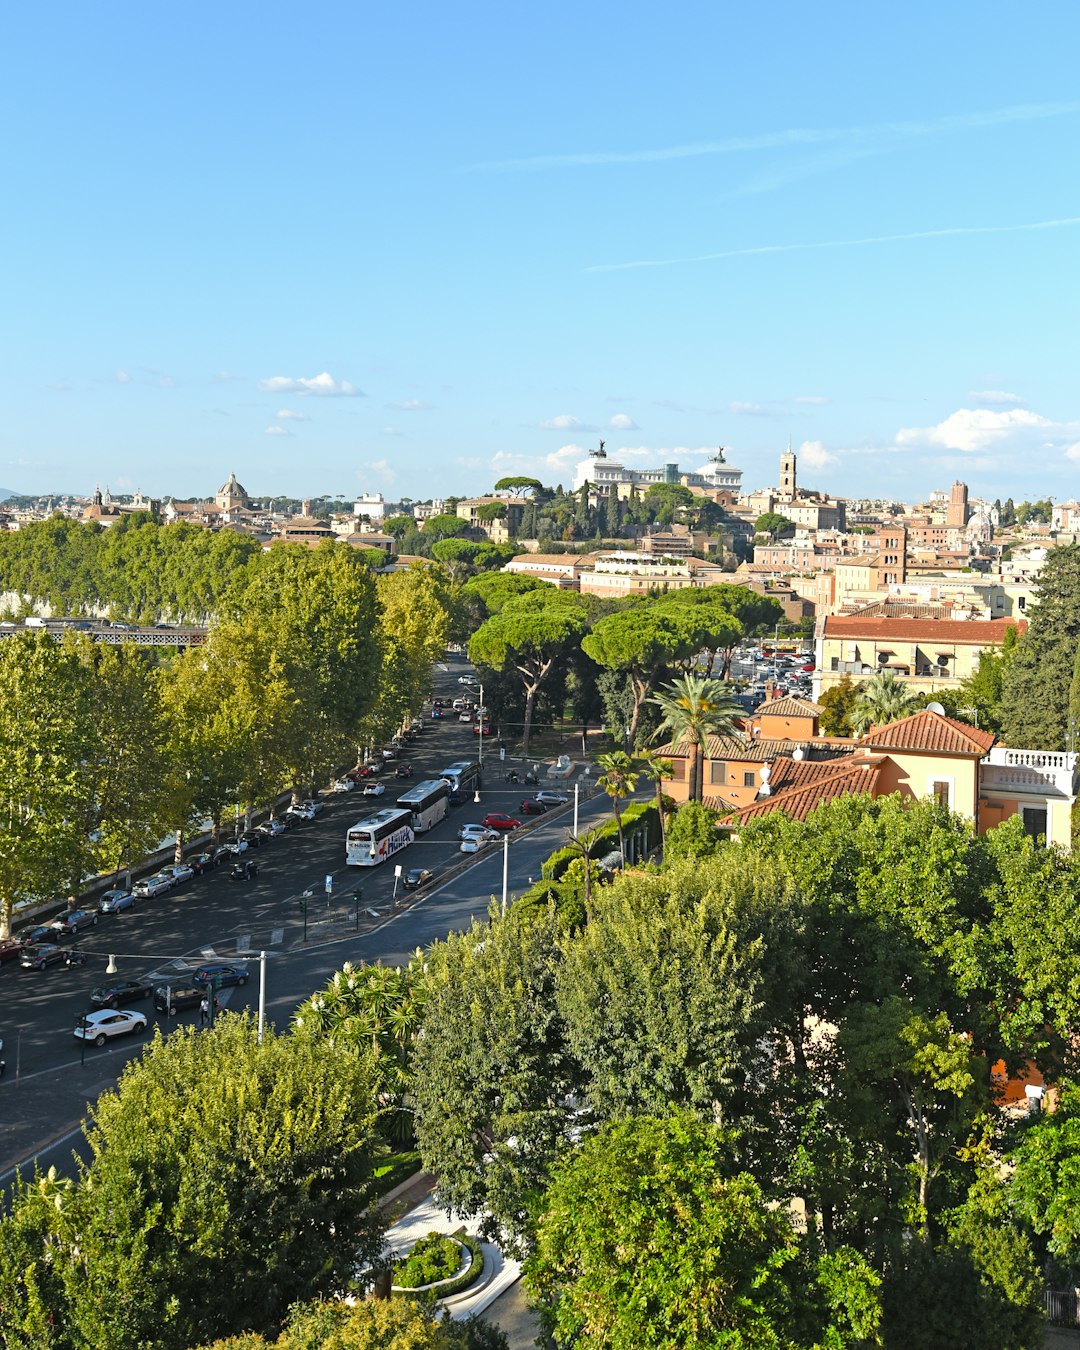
{"x":414,"y":248}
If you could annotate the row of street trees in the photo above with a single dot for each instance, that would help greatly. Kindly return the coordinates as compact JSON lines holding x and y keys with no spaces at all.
{"x":104,"y":750}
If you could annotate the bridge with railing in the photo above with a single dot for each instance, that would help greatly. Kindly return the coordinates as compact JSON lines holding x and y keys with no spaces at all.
{"x":115,"y":634}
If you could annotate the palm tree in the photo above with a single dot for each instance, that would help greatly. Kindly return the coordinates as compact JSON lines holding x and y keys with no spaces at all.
{"x":884,"y":698}
{"x":693,"y":707}
{"x":656,"y":767}
{"x":618,"y":780}
{"x":583,"y":845}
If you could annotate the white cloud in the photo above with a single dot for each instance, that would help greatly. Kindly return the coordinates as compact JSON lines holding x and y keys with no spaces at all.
{"x":122,"y":377}
{"x":1073,"y":451}
{"x":291,"y":415}
{"x":381,"y":468}
{"x":623,"y":422}
{"x":998,"y":397}
{"x":565,"y":455}
{"x":813,"y":455}
{"x":392,"y":431}
{"x":811,"y":400}
{"x":975,"y":429}
{"x":565,"y":422}
{"x":323,"y":385}
{"x":276,"y":431}
{"x":411,"y":405}
{"x":163,"y":381}
{"x":748,"y":409}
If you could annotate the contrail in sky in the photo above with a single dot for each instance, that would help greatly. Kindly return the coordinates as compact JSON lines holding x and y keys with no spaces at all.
{"x":1061,"y":223}
{"x":879,"y":132}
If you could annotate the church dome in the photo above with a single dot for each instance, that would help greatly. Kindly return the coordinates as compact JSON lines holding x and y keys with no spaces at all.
{"x":232,"y":488}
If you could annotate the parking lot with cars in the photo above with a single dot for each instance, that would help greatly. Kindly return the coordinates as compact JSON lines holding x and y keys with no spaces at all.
{"x":163,"y":939}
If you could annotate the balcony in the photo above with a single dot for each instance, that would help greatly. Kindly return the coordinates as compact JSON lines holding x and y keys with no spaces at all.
{"x":1044,"y":773}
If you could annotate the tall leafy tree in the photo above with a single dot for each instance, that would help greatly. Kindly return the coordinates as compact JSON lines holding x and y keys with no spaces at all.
{"x":1035,"y":687}
{"x":530,"y":637}
{"x":837,"y":705}
{"x":47,"y":758}
{"x":652,"y":1237}
{"x":643,"y":642}
{"x":691,"y":709}
{"x":229,"y":1178}
{"x":490,"y":1099}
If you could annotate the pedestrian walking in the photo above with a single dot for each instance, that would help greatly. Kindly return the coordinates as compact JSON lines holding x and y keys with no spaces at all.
{"x":204,"y":1011}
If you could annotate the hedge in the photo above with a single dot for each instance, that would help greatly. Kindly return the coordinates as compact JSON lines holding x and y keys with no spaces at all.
{"x":637,"y":816}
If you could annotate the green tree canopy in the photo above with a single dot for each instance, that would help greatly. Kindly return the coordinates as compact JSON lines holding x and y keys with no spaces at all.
{"x":1035,"y":686}
{"x":530,"y":638}
{"x":773,"y":524}
{"x":652,"y":1237}
{"x":229,"y":1178}
{"x":691,"y":709}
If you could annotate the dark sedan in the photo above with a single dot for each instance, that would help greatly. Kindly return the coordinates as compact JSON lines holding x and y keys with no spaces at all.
{"x":531,"y":806}
{"x":416,"y":877}
{"x":220,"y":974}
{"x":10,"y":950}
{"x":202,"y":862}
{"x":174,"y":998}
{"x":123,"y":991}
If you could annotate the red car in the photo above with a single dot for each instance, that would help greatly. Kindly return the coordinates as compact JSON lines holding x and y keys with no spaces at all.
{"x":495,"y":820}
{"x":477,"y":732}
{"x":809,"y":666}
{"x":531,"y":807}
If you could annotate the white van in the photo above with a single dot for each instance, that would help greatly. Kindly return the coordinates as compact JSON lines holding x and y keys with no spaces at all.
{"x":34,"y":622}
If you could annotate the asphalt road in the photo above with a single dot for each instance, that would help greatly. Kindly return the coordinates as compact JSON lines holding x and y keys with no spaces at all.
{"x":47,"y":1087}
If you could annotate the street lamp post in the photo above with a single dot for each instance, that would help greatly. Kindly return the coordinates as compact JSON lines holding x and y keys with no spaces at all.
{"x":480,"y":738}
{"x":506,"y":869}
{"x":577,"y":790}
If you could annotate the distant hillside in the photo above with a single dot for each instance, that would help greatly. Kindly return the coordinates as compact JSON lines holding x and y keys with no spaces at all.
{"x":5,"y":493}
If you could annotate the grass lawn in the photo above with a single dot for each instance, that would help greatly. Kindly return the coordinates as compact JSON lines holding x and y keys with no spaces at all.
{"x":393,"y":1169}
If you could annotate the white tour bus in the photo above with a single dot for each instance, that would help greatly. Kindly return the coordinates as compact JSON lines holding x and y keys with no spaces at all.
{"x":428,"y":801}
{"x":375,"y":838}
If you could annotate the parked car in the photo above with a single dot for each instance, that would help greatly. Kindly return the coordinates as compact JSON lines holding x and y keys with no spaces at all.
{"x":244,"y":869}
{"x":102,"y":1026}
{"x":115,"y":902}
{"x":270,"y":829}
{"x":313,"y":806}
{"x":122,"y":991}
{"x":533,"y":806}
{"x":477,"y":832}
{"x":11,"y":949}
{"x":41,"y":955}
{"x":236,"y":847}
{"x":300,"y":811}
{"x":202,"y":862}
{"x":174,"y":998}
{"x":390,"y":752}
{"x":158,"y":884}
{"x":372,"y":789}
{"x":497,"y":820}
{"x":220,"y":974}
{"x":343,"y":785}
{"x":416,"y":877}
{"x":41,"y":932}
{"x":67,"y":925}
{"x":551,"y":798}
{"x":182,"y":872}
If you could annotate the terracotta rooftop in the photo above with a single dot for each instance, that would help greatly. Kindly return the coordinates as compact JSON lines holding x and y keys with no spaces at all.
{"x":798,"y":800}
{"x":787,"y":707}
{"x":981,"y":632}
{"x":931,"y":733}
{"x":758,"y":749}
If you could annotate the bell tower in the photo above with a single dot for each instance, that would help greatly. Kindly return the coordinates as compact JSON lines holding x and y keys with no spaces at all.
{"x":787,"y":475}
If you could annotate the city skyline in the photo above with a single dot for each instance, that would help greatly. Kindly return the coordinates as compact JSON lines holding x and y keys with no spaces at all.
{"x":413,"y":252}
